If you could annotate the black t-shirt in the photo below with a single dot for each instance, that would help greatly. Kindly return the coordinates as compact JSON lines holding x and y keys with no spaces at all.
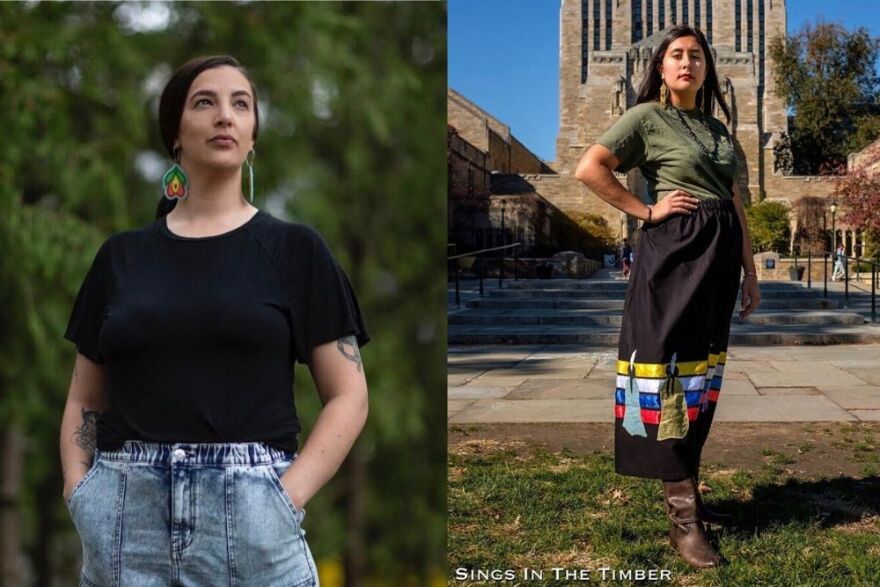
{"x":199,"y":334}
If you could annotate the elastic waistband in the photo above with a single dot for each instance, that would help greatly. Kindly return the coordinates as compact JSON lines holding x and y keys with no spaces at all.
{"x":157,"y":453}
{"x":716,"y":204}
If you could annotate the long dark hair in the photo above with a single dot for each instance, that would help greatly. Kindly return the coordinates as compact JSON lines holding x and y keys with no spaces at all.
{"x":650,"y":88}
{"x":172,"y":103}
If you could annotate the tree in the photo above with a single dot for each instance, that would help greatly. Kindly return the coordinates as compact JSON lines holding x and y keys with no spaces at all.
{"x":859,"y":196}
{"x":582,"y":232}
{"x":811,"y":234}
{"x":769,"y":226}
{"x":827,"y":75}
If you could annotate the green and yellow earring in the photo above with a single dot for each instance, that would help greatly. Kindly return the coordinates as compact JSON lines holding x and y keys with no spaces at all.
{"x":174,"y":182}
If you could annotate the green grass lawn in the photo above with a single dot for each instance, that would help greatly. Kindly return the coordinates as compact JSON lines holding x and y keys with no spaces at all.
{"x":512,"y":509}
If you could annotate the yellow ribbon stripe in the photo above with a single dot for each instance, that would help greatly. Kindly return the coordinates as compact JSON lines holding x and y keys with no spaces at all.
{"x":656,"y":370}
{"x":717,"y":359}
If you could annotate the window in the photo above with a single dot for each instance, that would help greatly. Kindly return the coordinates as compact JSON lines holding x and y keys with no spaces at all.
{"x":737,"y":17}
{"x":596,"y":17}
{"x":608,"y":26}
{"x":672,"y":18}
{"x":761,"y":43}
{"x":661,"y":14}
{"x":709,"y":21}
{"x":696,"y":13}
{"x":585,"y":39}
{"x":749,"y":8}
{"x":650,"y":6}
{"x":636,"y":21}
{"x":684,"y":12}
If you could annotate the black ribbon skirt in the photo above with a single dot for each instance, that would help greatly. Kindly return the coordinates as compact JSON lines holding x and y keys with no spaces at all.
{"x":673,"y":340}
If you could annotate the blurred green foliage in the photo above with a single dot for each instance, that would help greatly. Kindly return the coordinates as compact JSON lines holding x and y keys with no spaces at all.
{"x":582,"y":232}
{"x":352,"y":101}
{"x":769,"y":226}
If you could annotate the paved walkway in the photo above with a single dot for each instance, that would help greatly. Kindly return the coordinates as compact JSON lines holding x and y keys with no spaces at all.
{"x":556,"y":383}
{"x":575,"y":383}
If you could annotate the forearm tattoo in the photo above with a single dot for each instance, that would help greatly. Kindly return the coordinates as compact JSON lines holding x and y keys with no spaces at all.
{"x":349,"y":349}
{"x":86,"y":435}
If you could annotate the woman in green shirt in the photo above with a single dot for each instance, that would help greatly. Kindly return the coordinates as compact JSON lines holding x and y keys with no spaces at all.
{"x":684,"y":281}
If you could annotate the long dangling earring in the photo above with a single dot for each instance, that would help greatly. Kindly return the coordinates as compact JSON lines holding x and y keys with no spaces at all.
{"x":174,"y":182}
{"x":664,"y":92}
{"x":250,"y":163}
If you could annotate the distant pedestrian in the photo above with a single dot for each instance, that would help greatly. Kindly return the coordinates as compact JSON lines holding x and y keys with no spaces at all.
{"x":839,"y":260}
{"x":626,"y":254}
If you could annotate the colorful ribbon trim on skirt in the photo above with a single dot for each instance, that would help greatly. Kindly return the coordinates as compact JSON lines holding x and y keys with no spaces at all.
{"x":700,"y":383}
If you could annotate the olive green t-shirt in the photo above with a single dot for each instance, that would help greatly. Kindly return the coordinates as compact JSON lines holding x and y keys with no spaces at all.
{"x":657,"y":141}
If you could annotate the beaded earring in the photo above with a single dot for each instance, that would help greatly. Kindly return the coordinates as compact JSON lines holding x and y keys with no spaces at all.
{"x":174,"y":182}
{"x":664,"y":92}
{"x":250,"y":164}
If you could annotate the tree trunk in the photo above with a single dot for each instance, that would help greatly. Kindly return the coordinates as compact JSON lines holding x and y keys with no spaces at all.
{"x":11,"y":451}
{"x":48,"y":495}
{"x":355,"y":550}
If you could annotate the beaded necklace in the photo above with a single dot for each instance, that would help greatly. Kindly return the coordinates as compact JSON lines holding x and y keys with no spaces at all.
{"x":714,"y":152}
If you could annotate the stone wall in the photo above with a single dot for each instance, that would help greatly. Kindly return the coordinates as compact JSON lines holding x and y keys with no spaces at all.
{"x":504,"y":152}
{"x":468,"y":189}
{"x":569,"y":195}
{"x":793,"y":187}
{"x":472,"y":122}
{"x":868,"y":155}
{"x":522,"y":160}
{"x":468,"y":174}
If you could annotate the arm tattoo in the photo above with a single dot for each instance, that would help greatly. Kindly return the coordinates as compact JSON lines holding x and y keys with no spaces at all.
{"x":349,"y":349}
{"x":86,"y":435}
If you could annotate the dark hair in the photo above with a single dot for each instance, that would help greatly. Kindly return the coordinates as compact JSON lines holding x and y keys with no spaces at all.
{"x":172,"y":103}
{"x":650,"y":88}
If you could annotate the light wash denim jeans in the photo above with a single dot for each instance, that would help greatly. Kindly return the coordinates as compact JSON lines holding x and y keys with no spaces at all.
{"x":190,"y":514}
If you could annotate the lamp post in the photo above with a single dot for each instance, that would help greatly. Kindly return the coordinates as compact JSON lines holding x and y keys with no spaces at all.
{"x":824,"y":254}
{"x":833,"y":230}
{"x":503,"y":239}
{"x":503,"y":242}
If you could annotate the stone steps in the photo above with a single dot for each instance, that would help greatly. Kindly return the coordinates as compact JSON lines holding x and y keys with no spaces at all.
{"x":741,"y":334}
{"x":617,"y":284}
{"x":617,"y":304}
{"x":589,"y":312}
{"x":605,"y":318}
{"x":526,"y":294}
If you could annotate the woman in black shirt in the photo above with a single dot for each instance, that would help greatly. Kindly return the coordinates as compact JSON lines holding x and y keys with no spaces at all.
{"x":178,"y":441}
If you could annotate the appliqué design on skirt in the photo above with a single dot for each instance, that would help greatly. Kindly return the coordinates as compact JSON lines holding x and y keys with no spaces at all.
{"x":673,"y":409}
{"x":632,"y":419}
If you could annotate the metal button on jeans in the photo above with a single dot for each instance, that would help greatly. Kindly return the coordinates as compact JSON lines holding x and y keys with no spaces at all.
{"x":179,"y":453}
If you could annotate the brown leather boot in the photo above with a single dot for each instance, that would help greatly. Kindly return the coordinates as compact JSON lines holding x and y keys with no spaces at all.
{"x":687,"y":534}
{"x":705,"y":513}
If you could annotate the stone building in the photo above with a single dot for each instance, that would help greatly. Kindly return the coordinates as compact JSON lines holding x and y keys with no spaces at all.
{"x":605,"y":48}
{"x":468,"y":180}
{"x":504,"y":151}
{"x":489,"y":202}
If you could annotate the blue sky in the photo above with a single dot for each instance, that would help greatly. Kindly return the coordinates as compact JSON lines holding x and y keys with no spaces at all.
{"x":504,"y":56}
